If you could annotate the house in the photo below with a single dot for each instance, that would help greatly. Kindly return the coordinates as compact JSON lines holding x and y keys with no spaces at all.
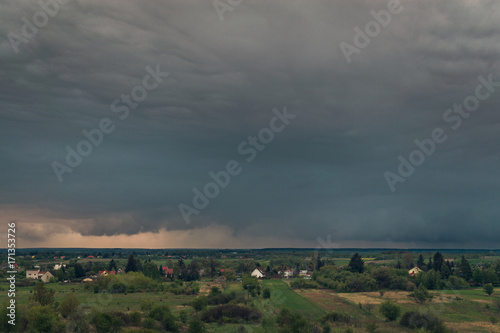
{"x":106,"y":273}
{"x":59,"y":266}
{"x":303,"y":272}
{"x":414,"y":271}
{"x":32,"y":274}
{"x":201,"y":272}
{"x":87,"y":280}
{"x":227,"y":270}
{"x":90,"y":257}
{"x":287,"y":273}
{"x":168,"y":271}
{"x":258,"y":272}
{"x":46,"y":276}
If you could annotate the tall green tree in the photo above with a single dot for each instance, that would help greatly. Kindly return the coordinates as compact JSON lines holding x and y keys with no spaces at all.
{"x":421,"y":262}
{"x":319,"y":263}
{"x":438,"y":261}
{"x":445,"y":270}
{"x":112,"y":265}
{"x":42,"y":294}
{"x":69,"y":306}
{"x":131,"y":264}
{"x":356,"y":264}
{"x":430,"y":264}
{"x":149,"y":269}
{"x":477,"y":276}
{"x":465,"y":271}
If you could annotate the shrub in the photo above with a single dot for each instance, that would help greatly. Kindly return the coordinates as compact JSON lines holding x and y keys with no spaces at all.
{"x":456,"y":283}
{"x":150,"y":323}
{"x":266,"y":293}
{"x":135,"y":318}
{"x":183,"y":316}
{"x":421,"y":294}
{"x":162,"y":313}
{"x":488,"y":289}
{"x":427,"y":321}
{"x":336,"y":317}
{"x":369,"y":307}
{"x":199,"y":303}
{"x":390,"y":310}
{"x":43,"y":319}
{"x":230,"y":313}
{"x":146,"y":304}
{"x":292,"y":322}
{"x":42,"y":295}
{"x":105,"y":322}
{"x":196,"y":326}
{"x":493,"y":320}
{"x":69,"y":306}
{"x":372,"y":327}
{"x":303,"y":284}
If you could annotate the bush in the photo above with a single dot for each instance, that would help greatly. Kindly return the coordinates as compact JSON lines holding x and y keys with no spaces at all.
{"x":488,"y":289}
{"x":292,"y":322}
{"x":421,"y":294}
{"x":69,"y":306}
{"x":427,"y":321}
{"x":162,"y":313}
{"x":266,"y":293}
{"x":150,"y":323}
{"x":105,"y":322}
{"x":336,"y":317}
{"x":303,"y":284}
{"x":230,"y":313}
{"x":456,"y":283}
{"x":196,"y":326}
{"x":390,"y":310}
{"x":43,"y":319}
{"x":199,"y":303}
{"x":372,"y":327}
{"x":183,"y":316}
{"x":135,"y":318}
{"x":42,"y":295}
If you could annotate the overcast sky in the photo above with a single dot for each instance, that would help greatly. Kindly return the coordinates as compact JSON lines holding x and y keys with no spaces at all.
{"x":321,"y":176}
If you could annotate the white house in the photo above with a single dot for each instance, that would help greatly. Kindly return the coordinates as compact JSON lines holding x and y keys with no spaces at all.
{"x":59,"y":266}
{"x":258,"y":272}
{"x":32,"y":274}
{"x":288,"y":273}
{"x":414,"y":271}
{"x":46,"y":276}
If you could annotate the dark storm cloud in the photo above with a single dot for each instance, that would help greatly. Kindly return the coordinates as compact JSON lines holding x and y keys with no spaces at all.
{"x":322,"y":175}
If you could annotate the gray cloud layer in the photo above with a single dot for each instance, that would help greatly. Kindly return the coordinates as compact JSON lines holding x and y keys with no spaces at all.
{"x":322,"y":175}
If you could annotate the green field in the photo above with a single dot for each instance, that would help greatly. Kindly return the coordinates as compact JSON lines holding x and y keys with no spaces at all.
{"x":282,"y":296}
{"x":104,"y":301}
